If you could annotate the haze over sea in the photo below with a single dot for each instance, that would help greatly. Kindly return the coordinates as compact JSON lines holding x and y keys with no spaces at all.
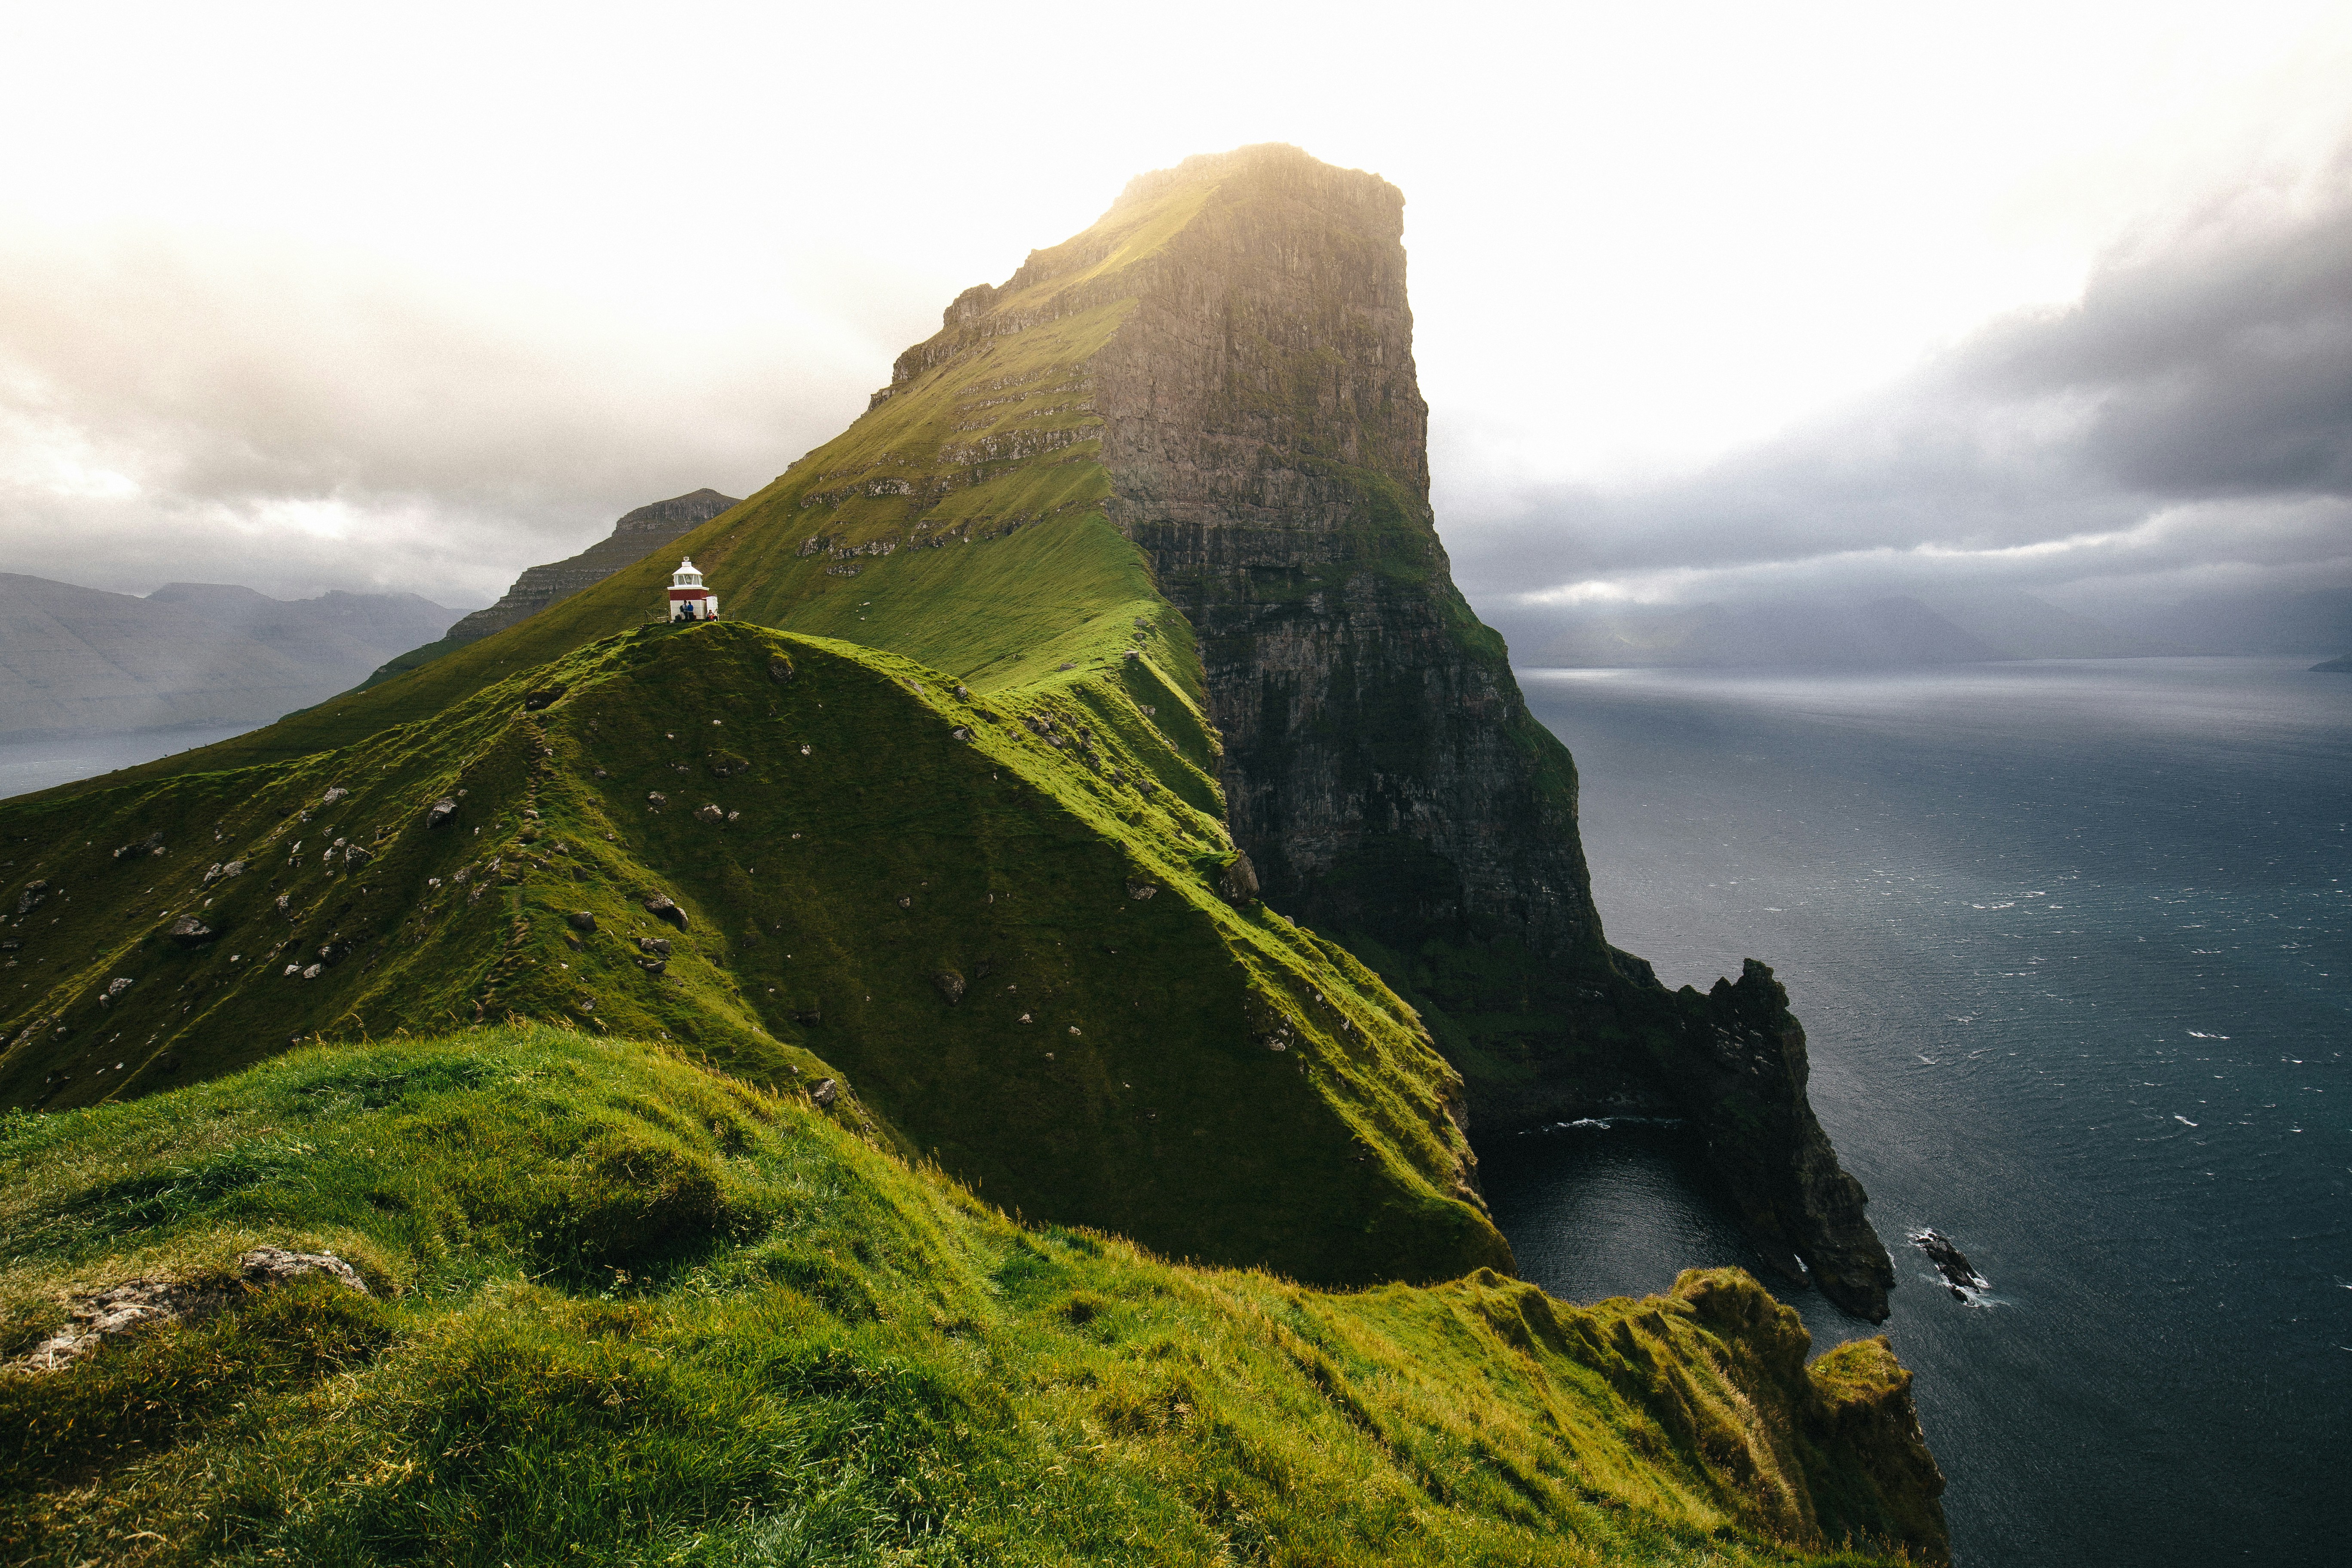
{"x":2073,"y":944}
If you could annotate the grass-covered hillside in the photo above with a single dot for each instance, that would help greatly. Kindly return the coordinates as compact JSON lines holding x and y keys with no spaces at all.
{"x":623,"y":1310}
{"x":1000,"y":921}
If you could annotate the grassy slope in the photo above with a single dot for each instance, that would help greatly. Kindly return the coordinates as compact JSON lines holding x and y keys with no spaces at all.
{"x":629,"y":1311}
{"x":1109,"y":1062}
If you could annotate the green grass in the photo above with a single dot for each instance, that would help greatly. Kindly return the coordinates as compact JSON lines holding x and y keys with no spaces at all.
{"x":1109,"y":1062}
{"x":626,"y":1310}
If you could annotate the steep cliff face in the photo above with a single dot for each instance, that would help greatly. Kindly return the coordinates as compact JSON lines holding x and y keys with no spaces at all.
{"x":1265,"y":443}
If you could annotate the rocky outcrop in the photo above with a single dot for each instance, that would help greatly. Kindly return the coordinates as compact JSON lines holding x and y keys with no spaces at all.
{"x":647,"y":529}
{"x":1266,"y":442}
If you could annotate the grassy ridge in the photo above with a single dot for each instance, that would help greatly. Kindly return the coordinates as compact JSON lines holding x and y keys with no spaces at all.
{"x":932,"y":897}
{"x":624,"y":1310}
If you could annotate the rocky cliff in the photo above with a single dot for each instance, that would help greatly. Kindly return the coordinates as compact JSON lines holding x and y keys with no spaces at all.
{"x":1265,"y":441}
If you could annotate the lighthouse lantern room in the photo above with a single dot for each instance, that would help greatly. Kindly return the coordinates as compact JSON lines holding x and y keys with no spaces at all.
{"x":688,"y":599}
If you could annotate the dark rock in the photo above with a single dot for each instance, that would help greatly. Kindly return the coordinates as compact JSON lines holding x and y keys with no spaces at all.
{"x":440,"y":813}
{"x":656,"y":945}
{"x":810,"y":1017}
{"x":948,"y":985}
{"x":1237,"y":884}
{"x":151,"y":845}
{"x":581,"y":919}
{"x":653,"y":966}
{"x":31,"y":899}
{"x":779,"y":670}
{"x":1959,"y":1275}
{"x":725,"y":764}
{"x":190,"y":931}
{"x":546,"y":697}
{"x":710,"y":814}
{"x":825,"y":1092}
{"x":663,"y":908}
{"x":1136,"y":889}
{"x":656,"y":798}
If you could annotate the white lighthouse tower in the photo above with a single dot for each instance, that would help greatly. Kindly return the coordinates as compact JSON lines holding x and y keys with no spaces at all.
{"x":688,"y":599}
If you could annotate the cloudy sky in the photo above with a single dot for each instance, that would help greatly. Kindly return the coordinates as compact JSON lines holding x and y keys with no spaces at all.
{"x":1710,"y":300}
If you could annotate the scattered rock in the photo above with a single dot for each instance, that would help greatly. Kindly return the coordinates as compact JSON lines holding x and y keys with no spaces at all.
{"x":312,"y":972}
{"x":1238,"y":883}
{"x":190,"y":931}
{"x":1130,"y":653}
{"x":151,"y":845}
{"x":333,"y":795}
{"x":656,"y":945}
{"x":710,"y":814}
{"x":961,"y":695}
{"x":662,"y":907}
{"x":653,"y":966}
{"x":546,"y":697}
{"x":142,"y":1304}
{"x":1140,"y":889}
{"x":581,"y":919}
{"x":116,"y":987}
{"x":725,"y":764}
{"x":907,"y":903}
{"x":960,"y":733}
{"x":1066,"y":664}
{"x":825,"y":1092}
{"x":441,"y":812}
{"x":656,"y":799}
{"x":779,"y":670}
{"x":948,"y":985}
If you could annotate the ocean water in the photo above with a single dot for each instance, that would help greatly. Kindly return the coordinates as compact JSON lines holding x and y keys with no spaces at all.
{"x":29,"y":765}
{"x":2072,"y":945}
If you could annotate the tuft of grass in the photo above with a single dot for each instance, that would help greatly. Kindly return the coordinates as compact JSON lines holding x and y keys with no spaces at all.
{"x":828,"y":1354}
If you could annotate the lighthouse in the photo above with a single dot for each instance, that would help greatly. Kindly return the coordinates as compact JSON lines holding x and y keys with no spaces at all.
{"x":688,"y":599}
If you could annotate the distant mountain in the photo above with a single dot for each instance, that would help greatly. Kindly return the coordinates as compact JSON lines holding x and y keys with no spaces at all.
{"x":75,"y":659}
{"x":647,"y":529}
{"x":2339,"y":666}
{"x":1941,"y":628}
{"x":2305,"y":623}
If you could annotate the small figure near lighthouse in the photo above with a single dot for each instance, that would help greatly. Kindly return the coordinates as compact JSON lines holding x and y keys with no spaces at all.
{"x":688,"y":599}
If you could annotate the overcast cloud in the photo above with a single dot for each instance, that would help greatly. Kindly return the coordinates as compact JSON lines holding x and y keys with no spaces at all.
{"x":2186,"y":424}
{"x":309,"y":297}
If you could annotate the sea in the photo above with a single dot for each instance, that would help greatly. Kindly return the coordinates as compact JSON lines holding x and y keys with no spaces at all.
{"x":2072,"y":942}
{"x":37,"y":764}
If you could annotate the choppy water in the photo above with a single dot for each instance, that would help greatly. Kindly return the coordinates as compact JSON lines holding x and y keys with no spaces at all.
{"x":2072,"y":943}
{"x":29,"y":765}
